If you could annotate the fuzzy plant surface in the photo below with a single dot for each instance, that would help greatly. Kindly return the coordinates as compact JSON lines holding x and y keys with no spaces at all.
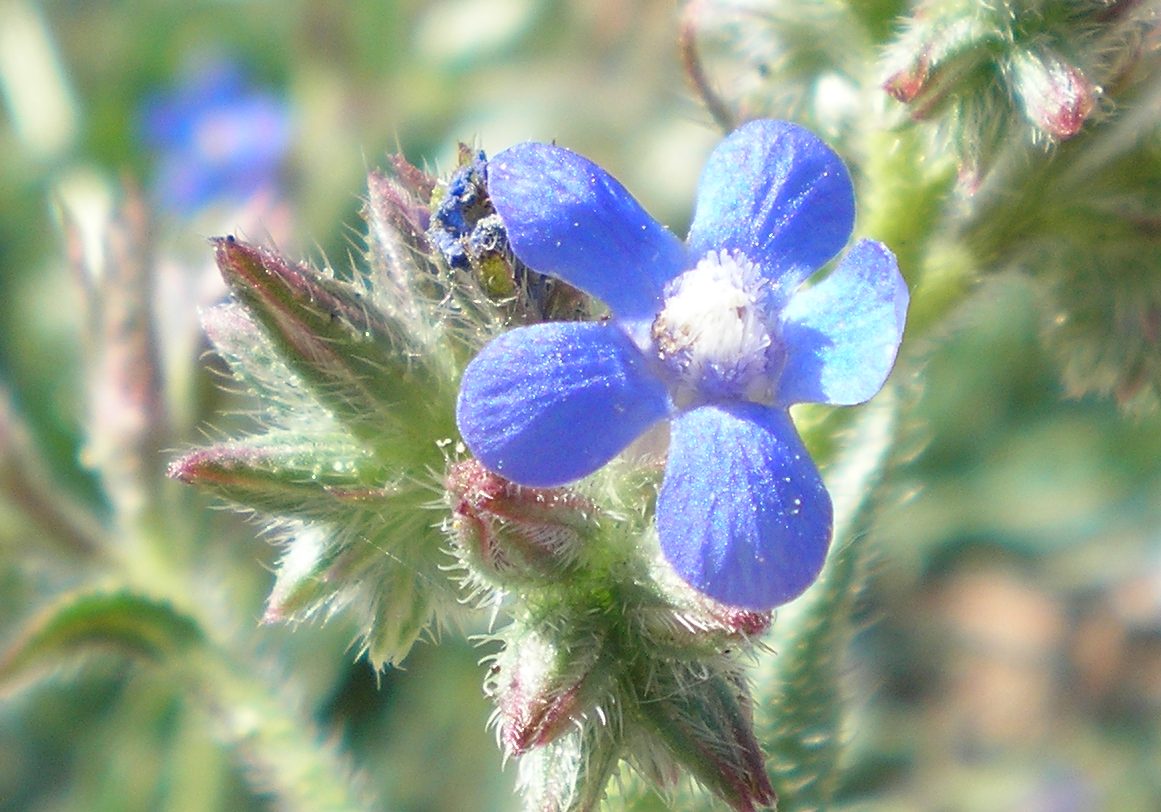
{"x":634,"y":598}
{"x":531,"y":415}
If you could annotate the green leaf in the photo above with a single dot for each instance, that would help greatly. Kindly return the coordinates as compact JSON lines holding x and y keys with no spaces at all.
{"x":123,"y":622}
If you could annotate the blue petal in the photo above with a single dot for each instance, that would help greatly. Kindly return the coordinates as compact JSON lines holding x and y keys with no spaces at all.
{"x":778,"y":194}
{"x":743,"y":514}
{"x":569,"y":218}
{"x":551,"y":403}
{"x":842,"y":334}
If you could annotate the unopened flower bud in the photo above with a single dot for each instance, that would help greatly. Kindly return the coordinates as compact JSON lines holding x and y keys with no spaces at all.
{"x":334,"y":338}
{"x":936,"y":62}
{"x":1057,"y":96}
{"x":508,"y":533}
{"x":706,"y":723}
{"x":542,"y":687}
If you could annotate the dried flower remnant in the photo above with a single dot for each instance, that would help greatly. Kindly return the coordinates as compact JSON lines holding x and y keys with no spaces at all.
{"x":469,"y":236}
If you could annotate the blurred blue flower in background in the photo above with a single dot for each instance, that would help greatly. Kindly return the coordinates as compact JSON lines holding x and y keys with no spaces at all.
{"x":216,"y":136}
{"x":718,"y":334}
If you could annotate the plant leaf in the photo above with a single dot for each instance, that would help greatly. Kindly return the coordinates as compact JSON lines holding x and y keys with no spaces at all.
{"x":124,"y":622}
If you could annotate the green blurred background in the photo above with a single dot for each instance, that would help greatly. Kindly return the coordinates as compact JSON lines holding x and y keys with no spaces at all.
{"x":1011,"y":657}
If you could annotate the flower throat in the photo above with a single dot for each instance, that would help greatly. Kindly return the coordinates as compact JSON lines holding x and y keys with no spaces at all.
{"x":715,"y":336}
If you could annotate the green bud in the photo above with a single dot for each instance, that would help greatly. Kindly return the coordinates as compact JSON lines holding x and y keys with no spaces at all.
{"x":338,"y":342}
{"x":546,"y":684}
{"x":703,"y":717}
{"x":508,"y":534}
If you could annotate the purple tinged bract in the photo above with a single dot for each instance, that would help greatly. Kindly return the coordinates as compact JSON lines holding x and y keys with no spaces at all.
{"x":718,"y":334}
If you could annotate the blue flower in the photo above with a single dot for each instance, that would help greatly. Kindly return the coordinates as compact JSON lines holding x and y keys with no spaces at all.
{"x":216,"y":137}
{"x":718,"y":334}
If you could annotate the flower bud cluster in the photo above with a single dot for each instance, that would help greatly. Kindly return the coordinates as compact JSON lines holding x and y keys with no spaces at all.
{"x":987,"y":72}
{"x":624,"y":683}
{"x":1083,"y":225}
{"x":601,"y":655}
{"x":356,"y":379}
{"x":1005,"y":80}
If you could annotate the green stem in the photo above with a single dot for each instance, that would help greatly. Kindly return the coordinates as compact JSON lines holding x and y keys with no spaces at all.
{"x":799,"y":692}
{"x":903,"y":198}
{"x":286,"y":754}
{"x":253,"y":705}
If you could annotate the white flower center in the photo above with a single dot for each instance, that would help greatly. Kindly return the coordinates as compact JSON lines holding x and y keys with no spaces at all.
{"x":715,"y":334}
